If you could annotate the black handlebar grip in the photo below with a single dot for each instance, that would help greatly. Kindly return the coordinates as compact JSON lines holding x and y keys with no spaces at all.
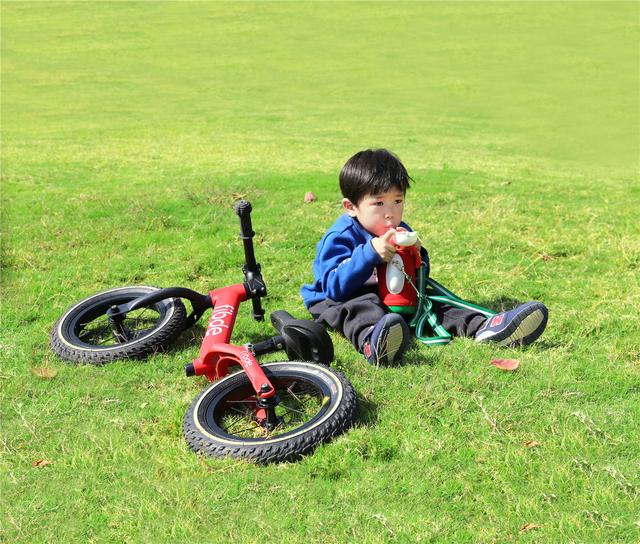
{"x":243,"y":211}
{"x":242,"y":207}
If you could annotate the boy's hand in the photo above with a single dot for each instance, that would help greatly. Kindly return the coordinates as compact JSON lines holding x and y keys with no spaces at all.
{"x":383,"y":246}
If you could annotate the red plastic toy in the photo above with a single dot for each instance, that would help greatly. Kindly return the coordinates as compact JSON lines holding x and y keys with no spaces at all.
{"x":394,"y":289}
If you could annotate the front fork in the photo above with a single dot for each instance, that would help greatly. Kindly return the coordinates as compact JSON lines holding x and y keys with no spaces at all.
{"x":216,"y":365}
{"x":217,"y":355}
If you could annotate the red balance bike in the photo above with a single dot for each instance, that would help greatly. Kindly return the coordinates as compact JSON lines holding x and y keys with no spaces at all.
{"x":264,"y":413}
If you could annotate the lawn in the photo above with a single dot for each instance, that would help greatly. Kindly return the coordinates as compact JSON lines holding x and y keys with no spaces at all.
{"x":128,"y":131}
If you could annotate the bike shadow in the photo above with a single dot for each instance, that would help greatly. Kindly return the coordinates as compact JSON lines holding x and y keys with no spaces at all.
{"x":188,"y":339}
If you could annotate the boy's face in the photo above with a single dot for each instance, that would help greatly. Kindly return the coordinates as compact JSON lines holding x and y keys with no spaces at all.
{"x":377,"y":213}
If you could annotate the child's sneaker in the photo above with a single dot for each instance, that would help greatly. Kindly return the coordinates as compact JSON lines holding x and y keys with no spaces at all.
{"x":517,"y":327}
{"x":387,"y":342}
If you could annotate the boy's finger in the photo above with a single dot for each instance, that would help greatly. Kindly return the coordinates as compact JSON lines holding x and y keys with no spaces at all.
{"x":387,"y":235}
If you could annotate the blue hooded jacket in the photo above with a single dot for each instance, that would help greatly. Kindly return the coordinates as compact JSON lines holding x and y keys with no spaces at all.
{"x":345,"y":260}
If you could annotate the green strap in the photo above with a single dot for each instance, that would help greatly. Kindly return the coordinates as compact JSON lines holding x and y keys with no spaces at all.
{"x":425,"y":316}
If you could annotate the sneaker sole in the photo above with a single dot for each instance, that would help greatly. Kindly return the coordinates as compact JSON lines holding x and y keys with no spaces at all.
{"x":528,"y":328}
{"x":524,"y":329}
{"x":390,"y":345}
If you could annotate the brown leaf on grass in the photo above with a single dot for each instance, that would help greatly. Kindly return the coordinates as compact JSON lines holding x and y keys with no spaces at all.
{"x":507,"y":365}
{"x":41,"y":463}
{"x":529,"y":527}
{"x":309,"y":197}
{"x":44,"y":372}
{"x":532,"y":444}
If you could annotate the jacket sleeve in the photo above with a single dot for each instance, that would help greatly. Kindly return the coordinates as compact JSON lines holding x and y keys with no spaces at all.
{"x":346,"y":268}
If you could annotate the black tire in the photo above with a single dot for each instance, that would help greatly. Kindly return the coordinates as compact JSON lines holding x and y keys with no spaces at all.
{"x":328,"y":399}
{"x":82,"y":334}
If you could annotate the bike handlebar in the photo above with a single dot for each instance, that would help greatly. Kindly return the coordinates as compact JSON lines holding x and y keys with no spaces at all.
{"x":243,"y":211}
{"x":253,"y":278}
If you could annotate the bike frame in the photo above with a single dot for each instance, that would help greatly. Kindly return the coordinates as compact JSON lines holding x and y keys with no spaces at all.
{"x":217,"y":354}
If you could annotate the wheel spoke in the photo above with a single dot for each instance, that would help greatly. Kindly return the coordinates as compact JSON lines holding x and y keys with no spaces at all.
{"x":252,"y":428}
{"x":87,"y":334}
{"x":89,"y":331}
{"x":142,"y":312}
{"x":234,"y":421}
{"x":98,"y":331}
{"x":223,"y":422}
{"x":105,"y":341}
{"x":138,"y":319}
{"x":102,"y":318}
{"x":290,"y":390}
{"x":296,"y":397}
{"x":242,"y":413}
{"x":300,"y":401}
{"x":289,"y":409}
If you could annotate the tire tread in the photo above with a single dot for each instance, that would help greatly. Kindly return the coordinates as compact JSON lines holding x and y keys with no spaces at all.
{"x":154,"y":343}
{"x":287,"y":450}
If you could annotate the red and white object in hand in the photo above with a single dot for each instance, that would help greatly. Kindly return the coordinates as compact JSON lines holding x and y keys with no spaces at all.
{"x":395,"y":290}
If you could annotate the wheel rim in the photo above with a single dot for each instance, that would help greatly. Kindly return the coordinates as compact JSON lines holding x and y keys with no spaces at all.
{"x":90,"y":327}
{"x":234,"y":413}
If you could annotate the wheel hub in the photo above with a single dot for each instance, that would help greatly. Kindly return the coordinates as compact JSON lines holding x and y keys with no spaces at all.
{"x":267,"y":417}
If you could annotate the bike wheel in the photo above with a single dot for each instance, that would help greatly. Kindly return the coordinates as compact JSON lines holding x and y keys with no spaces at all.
{"x":315,"y":404}
{"x":83,"y":333}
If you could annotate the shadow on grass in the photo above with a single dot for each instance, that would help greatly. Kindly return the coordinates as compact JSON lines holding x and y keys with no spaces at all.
{"x":416,"y":355}
{"x":545,"y":345}
{"x":367,"y":415}
{"x":189,"y":338}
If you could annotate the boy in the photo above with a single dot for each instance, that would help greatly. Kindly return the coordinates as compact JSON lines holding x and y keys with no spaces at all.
{"x":344,"y":293}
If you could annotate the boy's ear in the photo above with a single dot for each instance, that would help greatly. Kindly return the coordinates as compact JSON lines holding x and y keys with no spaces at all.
{"x":349,"y":207}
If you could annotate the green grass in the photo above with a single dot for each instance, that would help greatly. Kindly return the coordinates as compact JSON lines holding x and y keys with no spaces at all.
{"x":128,"y":130}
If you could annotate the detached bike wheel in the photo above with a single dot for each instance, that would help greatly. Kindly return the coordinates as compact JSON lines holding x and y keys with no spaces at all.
{"x":316,"y":403}
{"x":83,"y":334}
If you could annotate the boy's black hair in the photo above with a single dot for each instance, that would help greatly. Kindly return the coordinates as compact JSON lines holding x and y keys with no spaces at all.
{"x":372,"y":172}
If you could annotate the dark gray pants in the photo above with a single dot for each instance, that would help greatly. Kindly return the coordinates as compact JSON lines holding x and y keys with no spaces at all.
{"x":354,"y":317}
